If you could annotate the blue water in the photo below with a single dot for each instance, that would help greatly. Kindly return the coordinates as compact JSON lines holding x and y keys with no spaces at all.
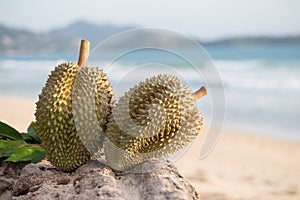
{"x":261,"y":83}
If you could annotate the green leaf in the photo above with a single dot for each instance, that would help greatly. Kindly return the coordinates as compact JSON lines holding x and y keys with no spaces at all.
{"x":16,"y":148}
{"x":7,"y":131}
{"x":32,"y":132}
{"x":28,"y":138}
{"x":6,"y":147}
{"x":31,"y":153}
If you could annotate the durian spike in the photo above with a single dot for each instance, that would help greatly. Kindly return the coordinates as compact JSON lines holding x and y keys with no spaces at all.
{"x":84,"y":53}
{"x":200,"y":93}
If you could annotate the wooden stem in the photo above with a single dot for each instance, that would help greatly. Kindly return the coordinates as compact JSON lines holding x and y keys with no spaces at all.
{"x":200,"y":93}
{"x":84,"y":53}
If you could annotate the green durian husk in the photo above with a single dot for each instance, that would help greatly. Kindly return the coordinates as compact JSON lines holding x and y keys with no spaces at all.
{"x":55,"y":115}
{"x":154,"y":119}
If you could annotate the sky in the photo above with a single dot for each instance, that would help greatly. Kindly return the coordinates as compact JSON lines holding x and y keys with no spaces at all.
{"x":206,"y":19}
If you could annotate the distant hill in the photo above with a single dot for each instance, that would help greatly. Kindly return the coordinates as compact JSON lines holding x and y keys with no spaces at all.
{"x":20,"y":42}
{"x":13,"y":41}
{"x":255,"y":41}
{"x":94,"y":33}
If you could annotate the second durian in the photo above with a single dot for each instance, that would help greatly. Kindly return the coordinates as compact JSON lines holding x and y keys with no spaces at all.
{"x":152,"y":120}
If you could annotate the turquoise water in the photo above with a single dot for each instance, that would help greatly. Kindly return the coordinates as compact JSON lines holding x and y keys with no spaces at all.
{"x":261,"y":83}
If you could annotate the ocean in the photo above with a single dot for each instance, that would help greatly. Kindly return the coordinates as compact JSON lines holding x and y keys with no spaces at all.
{"x":261,"y":83}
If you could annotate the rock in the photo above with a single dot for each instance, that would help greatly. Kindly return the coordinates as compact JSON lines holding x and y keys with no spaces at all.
{"x":91,"y":181}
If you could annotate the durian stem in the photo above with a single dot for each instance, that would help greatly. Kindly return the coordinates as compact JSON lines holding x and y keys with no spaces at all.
{"x":84,"y":53}
{"x":200,"y":93}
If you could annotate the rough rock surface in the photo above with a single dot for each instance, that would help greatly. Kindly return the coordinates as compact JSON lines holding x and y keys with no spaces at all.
{"x":91,"y":181}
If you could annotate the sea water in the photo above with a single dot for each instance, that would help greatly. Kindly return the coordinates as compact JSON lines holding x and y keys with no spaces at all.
{"x":261,"y":84}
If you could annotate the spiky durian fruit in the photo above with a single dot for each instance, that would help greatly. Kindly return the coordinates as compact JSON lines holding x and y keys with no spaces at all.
{"x":153,"y":119}
{"x":73,"y":100}
{"x":91,"y":98}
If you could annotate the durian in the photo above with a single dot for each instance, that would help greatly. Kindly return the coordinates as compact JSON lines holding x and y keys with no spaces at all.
{"x":55,"y":119}
{"x":152,"y":120}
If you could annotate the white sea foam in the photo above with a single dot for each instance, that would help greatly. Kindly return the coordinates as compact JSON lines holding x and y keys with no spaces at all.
{"x":257,"y":74}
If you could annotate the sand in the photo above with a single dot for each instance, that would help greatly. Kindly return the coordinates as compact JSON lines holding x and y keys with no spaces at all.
{"x":245,"y":166}
{"x":241,"y":166}
{"x":17,"y":112}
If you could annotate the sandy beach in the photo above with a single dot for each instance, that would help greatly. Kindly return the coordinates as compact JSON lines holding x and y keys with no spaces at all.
{"x":245,"y":166}
{"x":242,"y":165}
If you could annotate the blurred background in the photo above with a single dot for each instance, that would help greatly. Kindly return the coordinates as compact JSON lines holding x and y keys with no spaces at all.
{"x":254,"y":45}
